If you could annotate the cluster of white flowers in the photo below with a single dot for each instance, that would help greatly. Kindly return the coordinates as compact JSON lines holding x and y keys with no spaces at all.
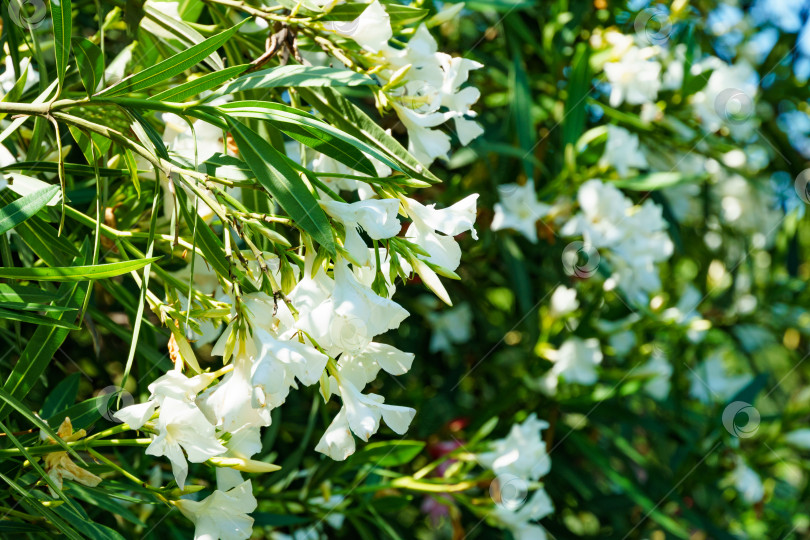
{"x":519,"y":458}
{"x":746,"y":481}
{"x":576,"y":361}
{"x":321,"y":332}
{"x":634,"y":237}
{"x":422,"y":84}
{"x":519,"y":209}
{"x":329,"y":320}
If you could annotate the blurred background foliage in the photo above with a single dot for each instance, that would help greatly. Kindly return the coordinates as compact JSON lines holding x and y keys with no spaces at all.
{"x":624,"y":465}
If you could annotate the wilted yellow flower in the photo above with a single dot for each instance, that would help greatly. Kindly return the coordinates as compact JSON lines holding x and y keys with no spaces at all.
{"x":59,"y":465}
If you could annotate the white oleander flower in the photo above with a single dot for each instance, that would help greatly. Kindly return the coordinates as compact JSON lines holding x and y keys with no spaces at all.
{"x":602,"y":220}
{"x":563,"y":301}
{"x":377,"y":217}
{"x":522,"y":453}
{"x":635,"y":78}
{"x":362,"y":368}
{"x":7,"y":80}
{"x":343,"y":315}
{"x":360,"y":414}
{"x":173,"y":385}
{"x":658,"y":372}
{"x":747,"y":482}
{"x":428,"y":222}
{"x":228,"y":405}
{"x":800,"y":438}
{"x":371,"y":29}
{"x":450,"y":327}
{"x":428,"y":90}
{"x":328,"y":166}
{"x":280,"y":363}
{"x":519,"y":521}
{"x":728,"y":99}
{"x":711,"y":382}
{"x":575,"y":362}
{"x":519,"y":209}
{"x":635,"y":236}
{"x":244,"y":443}
{"x":366,"y":274}
{"x":183,"y":426}
{"x":685,"y":314}
{"x":622,"y":151}
{"x":223,"y":514}
{"x":426,"y":144}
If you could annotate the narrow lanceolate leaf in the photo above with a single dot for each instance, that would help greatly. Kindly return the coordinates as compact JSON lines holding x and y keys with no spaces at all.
{"x":351,"y":120}
{"x":132,"y":165}
{"x":48,"y":166}
{"x":23,"y":208}
{"x":198,"y":85}
{"x":283,"y":183}
{"x":159,"y":23}
{"x":39,"y":352}
{"x":62,"y":31}
{"x":170,"y":67}
{"x":33,"y":318}
{"x":90,"y":63}
{"x":313,"y":132}
{"x":293,"y":75}
{"x":75,"y":273}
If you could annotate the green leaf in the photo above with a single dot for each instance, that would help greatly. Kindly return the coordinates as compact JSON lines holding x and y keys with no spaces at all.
{"x":12,"y":292}
{"x":132,"y":165}
{"x":311,"y":131}
{"x":198,"y":85}
{"x":578,"y":88}
{"x":38,"y":422}
{"x":75,"y":273}
{"x":34,"y":307}
{"x":62,"y":396}
{"x":353,"y":121}
{"x":101,"y":498}
{"x":521,"y":106}
{"x":296,"y":75}
{"x":31,"y":503}
{"x":23,"y":208}
{"x":90,"y":62}
{"x":655,"y":181}
{"x":62,"y":32}
{"x":170,"y":67}
{"x":34,"y":318}
{"x":18,"y":527}
{"x":70,"y":168}
{"x":89,"y":528}
{"x":43,"y":239}
{"x":398,"y":13}
{"x":39,"y":351}
{"x":186,"y":36}
{"x":280,"y":179}
{"x":388,"y":453}
{"x":82,"y":415}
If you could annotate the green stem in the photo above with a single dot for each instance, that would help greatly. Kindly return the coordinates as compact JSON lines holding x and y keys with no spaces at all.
{"x":78,"y":445}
